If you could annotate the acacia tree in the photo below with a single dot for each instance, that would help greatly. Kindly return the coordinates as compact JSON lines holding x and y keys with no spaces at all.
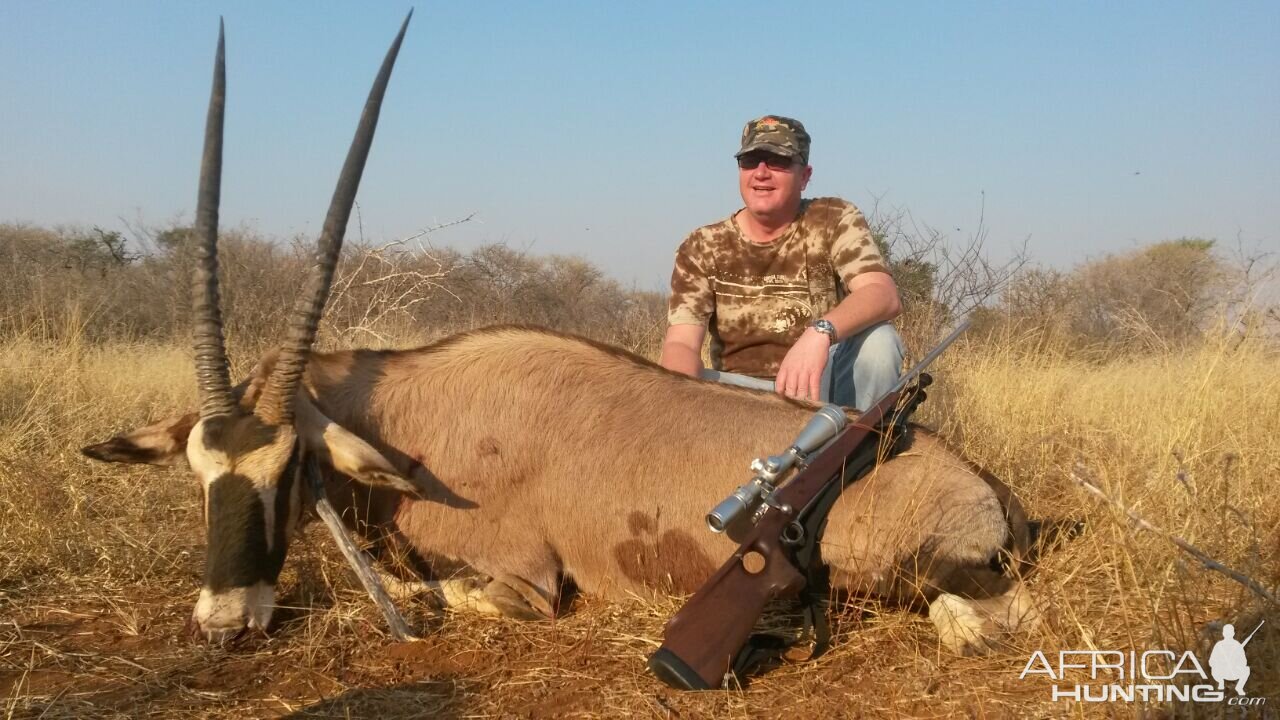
{"x":1156,"y":297}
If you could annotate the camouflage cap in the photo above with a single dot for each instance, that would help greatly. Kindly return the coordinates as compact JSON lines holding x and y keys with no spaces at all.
{"x":776,"y":134}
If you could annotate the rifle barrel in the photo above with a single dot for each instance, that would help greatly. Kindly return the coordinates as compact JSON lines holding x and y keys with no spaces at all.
{"x":1255,"y":630}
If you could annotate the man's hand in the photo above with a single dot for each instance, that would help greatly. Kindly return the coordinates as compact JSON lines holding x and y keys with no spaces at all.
{"x":800,"y":374}
{"x":872,"y":298}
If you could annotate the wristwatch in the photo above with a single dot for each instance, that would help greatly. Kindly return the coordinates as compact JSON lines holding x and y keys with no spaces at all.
{"x":826,"y":328}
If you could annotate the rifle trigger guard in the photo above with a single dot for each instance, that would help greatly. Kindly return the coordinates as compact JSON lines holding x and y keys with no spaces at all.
{"x":793,"y":533}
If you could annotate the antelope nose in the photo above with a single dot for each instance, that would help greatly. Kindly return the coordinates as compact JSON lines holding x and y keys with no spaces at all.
{"x":220,"y":632}
{"x":223,"y":636}
{"x":222,"y":615}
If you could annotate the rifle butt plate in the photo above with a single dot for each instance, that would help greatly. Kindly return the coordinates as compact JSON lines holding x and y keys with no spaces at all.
{"x":675,"y":672}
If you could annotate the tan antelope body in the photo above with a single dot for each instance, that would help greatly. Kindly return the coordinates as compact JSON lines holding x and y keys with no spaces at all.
{"x":531,"y":458}
{"x":540,"y":457}
{"x":547,"y":456}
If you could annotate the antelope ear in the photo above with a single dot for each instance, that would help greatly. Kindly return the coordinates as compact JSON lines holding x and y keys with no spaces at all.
{"x":348,"y":454}
{"x":358,"y":459}
{"x":163,"y":443}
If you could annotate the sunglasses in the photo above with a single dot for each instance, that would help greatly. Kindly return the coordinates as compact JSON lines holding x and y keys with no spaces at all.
{"x":752,"y":160}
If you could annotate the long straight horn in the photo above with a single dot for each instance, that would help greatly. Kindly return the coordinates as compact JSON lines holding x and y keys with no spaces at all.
{"x":212,"y":373}
{"x":276,"y":402}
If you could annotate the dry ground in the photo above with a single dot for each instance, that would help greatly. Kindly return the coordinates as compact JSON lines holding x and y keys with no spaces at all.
{"x":100,"y":565}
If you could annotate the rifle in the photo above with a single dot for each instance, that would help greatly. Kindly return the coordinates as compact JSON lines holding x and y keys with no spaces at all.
{"x":707,"y":644}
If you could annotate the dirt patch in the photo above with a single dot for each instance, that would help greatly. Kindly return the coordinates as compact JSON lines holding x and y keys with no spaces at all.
{"x":565,"y":702}
{"x":427,"y":659}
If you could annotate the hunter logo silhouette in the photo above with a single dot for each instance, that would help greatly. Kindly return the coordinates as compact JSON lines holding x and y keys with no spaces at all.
{"x":1227,"y":661}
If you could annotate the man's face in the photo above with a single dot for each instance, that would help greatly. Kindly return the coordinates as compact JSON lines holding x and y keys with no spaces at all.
{"x":771,"y":184}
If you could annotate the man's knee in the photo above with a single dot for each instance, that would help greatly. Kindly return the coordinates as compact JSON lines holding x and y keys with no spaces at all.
{"x":880,"y":352}
{"x":865,"y":366}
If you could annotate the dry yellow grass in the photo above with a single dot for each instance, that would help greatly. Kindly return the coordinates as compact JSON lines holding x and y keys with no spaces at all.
{"x":99,"y":565}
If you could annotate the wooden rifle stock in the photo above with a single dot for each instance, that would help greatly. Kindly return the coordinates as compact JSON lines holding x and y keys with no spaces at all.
{"x":702,"y":641}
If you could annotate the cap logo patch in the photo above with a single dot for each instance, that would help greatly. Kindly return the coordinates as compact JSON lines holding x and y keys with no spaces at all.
{"x":776,"y":133}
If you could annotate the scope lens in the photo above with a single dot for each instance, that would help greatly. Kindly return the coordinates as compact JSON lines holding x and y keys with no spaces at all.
{"x":715,"y":523}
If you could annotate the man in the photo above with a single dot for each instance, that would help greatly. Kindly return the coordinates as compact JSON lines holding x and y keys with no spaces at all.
{"x":1228,"y":661}
{"x":795,"y":292}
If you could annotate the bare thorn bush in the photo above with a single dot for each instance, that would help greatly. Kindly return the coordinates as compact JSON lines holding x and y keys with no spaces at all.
{"x":940,"y":280}
{"x":377,"y":287}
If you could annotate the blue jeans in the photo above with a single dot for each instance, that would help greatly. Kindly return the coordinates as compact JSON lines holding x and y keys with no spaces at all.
{"x":859,"y":371}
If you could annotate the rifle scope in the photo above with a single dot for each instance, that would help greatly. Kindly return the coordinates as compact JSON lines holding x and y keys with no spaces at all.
{"x":744,"y":502}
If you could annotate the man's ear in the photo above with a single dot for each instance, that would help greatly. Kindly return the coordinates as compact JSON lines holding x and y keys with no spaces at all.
{"x":164,"y":443}
{"x":347,"y":453}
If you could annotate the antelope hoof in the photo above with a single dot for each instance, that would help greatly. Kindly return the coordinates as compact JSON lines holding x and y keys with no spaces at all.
{"x":1019,"y":611}
{"x":517,"y":598}
{"x":962,"y":628}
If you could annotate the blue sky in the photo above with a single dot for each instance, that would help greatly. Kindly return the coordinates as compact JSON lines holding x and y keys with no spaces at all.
{"x":607,"y":129}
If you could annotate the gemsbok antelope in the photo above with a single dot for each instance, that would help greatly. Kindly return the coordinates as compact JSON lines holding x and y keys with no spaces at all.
{"x":530,"y":458}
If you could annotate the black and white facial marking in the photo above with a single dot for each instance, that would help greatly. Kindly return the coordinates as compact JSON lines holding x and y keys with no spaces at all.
{"x":250,"y":473}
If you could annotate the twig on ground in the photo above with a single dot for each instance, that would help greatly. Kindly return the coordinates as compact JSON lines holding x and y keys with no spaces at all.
{"x":1257,"y":588}
{"x":359,"y":563}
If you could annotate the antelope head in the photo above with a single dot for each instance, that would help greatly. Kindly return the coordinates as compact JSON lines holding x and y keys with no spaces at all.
{"x":248,"y":452}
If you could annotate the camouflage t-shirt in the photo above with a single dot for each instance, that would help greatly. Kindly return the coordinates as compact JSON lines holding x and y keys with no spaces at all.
{"x":757,"y":299}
